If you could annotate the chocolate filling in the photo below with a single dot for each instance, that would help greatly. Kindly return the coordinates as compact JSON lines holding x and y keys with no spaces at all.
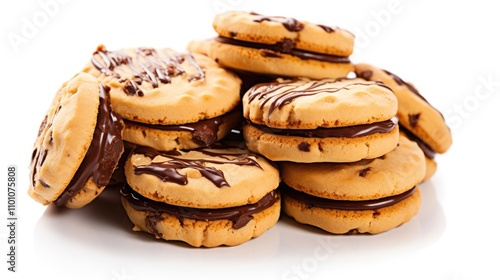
{"x":285,"y":47}
{"x":351,"y":205}
{"x":239,"y":215}
{"x":103,"y":153}
{"x":346,"y":131}
{"x":204,"y":132}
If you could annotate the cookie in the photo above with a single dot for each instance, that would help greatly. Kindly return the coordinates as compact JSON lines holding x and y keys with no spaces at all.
{"x":78,"y":146}
{"x":275,"y":45}
{"x":168,"y":100}
{"x":414,"y":111}
{"x":205,"y":197}
{"x":368,"y":196}
{"x":328,"y":120}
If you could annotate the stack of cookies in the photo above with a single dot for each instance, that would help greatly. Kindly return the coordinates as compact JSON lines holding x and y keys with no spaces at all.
{"x":209,"y":146}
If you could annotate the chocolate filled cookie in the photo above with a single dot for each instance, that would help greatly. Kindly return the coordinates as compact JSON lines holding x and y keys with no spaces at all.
{"x":204,"y":197}
{"x":78,"y":146}
{"x":328,"y":120}
{"x":168,"y":100}
{"x":276,"y":45}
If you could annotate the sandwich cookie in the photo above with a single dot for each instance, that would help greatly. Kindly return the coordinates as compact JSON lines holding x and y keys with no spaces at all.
{"x":369,"y":196}
{"x":205,"y":197}
{"x":329,"y":120}
{"x":418,"y":119}
{"x":281,"y":46}
{"x":78,"y":146}
{"x":169,"y":100}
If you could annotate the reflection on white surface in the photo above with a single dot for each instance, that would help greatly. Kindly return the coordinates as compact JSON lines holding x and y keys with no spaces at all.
{"x":98,"y":242}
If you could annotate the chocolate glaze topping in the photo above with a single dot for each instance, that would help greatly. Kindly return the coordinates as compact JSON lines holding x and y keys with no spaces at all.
{"x":285,"y":47}
{"x":168,"y":170}
{"x":346,"y":131}
{"x":154,"y":66}
{"x":239,"y":215}
{"x":279,"y":94}
{"x":352,"y":205}
{"x":104,"y":151}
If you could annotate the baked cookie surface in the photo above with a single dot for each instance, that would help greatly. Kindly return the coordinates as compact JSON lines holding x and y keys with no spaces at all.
{"x":78,"y":145}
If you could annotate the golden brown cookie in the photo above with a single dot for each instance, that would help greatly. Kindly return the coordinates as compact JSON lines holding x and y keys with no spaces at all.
{"x":163,"y":94}
{"x":278,"y":45}
{"x":205,"y":197}
{"x":78,"y":146}
{"x":369,"y":196}
{"x":414,"y":111}
{"x":329,"y":120}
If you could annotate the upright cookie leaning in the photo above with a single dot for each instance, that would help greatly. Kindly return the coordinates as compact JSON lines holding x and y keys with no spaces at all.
{"x":329,"y":120}
{"x":168,"y":100}
{"x":78,"y":145}
{"x":204,"y":197}
{"x":418,"y":119}
{"x":279,"y":46}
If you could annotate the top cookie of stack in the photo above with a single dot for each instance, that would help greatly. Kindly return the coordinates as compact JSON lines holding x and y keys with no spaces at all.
{"x":278,"y":46}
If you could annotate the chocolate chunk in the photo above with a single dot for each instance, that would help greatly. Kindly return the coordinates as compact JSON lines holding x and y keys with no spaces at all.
{"x":366,"y":74}
{"x":413,"y":118}
{"x":305,"y":147}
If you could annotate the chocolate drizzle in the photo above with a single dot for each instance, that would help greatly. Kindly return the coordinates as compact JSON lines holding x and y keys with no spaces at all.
{"x":351,"y":205}
{"x":346,"y":131}
{"x":284,"y":48}
{"x":167,"y":170}
{"x":290,"y":24}
{"x":279,"y":94}
{"x":103,"y":154}
{"x":154,"y":66}
{"x":239,"y":215}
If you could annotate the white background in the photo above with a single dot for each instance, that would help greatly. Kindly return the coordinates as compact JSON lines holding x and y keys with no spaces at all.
{"x":449,"y":50}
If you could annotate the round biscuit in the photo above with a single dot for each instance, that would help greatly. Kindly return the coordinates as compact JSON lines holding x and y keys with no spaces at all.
{"x":388,"y":175}
{"x":253,"y":27}
{"x":313,"y":149}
